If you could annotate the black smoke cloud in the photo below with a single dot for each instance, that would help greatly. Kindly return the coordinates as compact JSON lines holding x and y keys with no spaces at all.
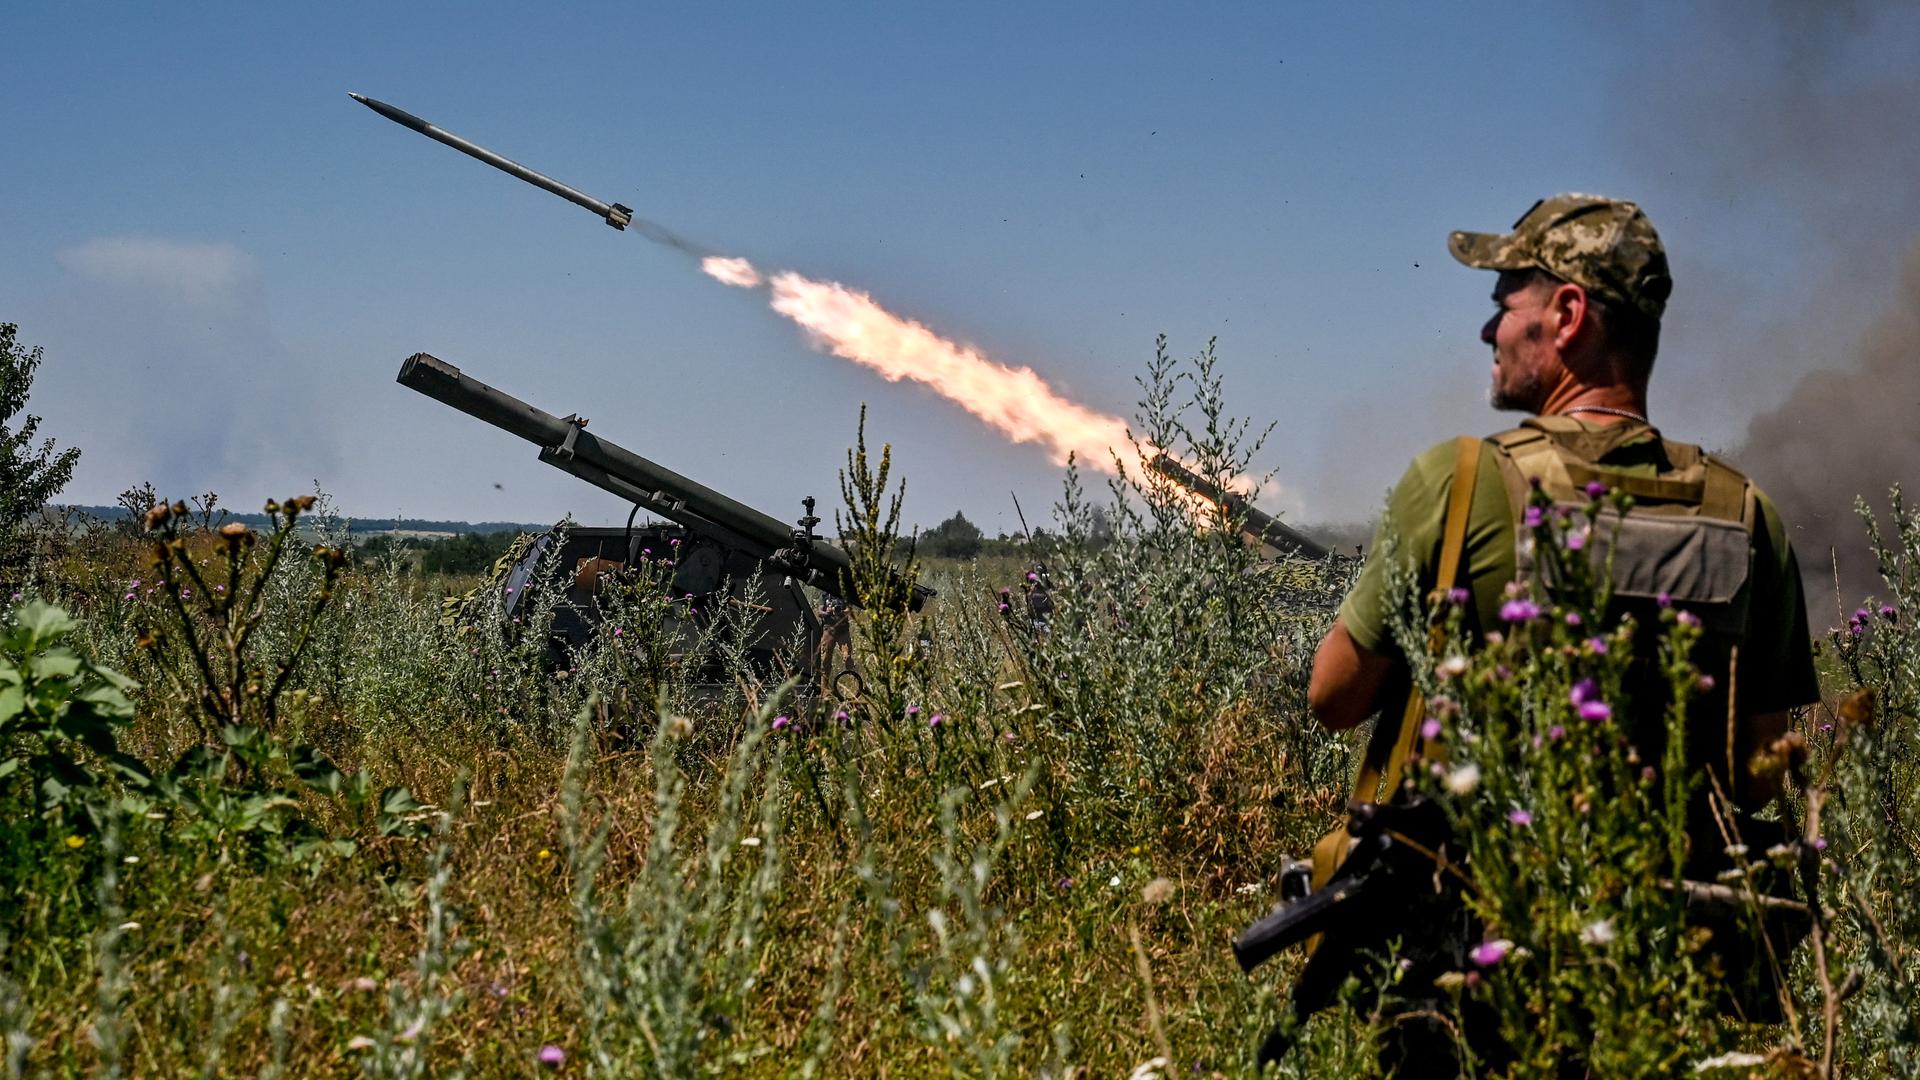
{"x":1803,"y":120}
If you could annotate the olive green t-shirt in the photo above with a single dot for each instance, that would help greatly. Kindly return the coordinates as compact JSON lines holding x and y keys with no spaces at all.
{"x":1776,"y":659}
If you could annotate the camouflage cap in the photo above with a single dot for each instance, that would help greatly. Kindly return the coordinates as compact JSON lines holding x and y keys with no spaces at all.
{"x":1605,"y":246}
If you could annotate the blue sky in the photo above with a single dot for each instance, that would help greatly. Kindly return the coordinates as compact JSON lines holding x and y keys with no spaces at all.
{"x":227,"y":259}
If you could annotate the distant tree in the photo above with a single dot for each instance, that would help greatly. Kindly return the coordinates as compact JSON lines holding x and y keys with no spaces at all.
{"x":1099,"y":526}
{"x":28,"y":476}
{"x":954,"y":538}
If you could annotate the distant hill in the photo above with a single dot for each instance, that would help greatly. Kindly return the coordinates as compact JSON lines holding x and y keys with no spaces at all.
{"x":360,"y":526}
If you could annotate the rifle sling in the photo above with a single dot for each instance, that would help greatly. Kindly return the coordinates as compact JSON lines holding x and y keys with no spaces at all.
{"x":1390,"y":746}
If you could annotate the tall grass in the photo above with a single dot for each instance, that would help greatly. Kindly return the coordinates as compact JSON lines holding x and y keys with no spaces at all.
{"x":1020,"y":850}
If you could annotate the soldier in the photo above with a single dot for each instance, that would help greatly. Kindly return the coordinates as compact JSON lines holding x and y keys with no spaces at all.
{"x":1583,"y":283}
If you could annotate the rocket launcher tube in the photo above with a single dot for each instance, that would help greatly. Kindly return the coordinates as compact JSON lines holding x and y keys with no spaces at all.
{"x":567,"y":445}
{"x":1254,"y":522}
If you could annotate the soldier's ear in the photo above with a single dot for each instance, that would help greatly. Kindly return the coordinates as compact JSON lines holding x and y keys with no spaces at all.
{"x":1572,"y":313}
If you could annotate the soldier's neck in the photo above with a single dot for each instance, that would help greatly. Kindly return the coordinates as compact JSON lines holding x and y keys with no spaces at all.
{"x":1596,"y":404}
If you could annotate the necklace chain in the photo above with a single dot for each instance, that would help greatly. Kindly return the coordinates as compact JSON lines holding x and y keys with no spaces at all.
{"x":1609,"y":410}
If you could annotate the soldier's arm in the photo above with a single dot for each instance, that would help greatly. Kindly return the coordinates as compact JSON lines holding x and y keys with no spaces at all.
{"x":1346,"y":679}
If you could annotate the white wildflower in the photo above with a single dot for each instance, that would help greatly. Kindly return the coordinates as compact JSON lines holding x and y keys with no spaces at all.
{"x":1598,"y":932}
{"x":1463,"y":780}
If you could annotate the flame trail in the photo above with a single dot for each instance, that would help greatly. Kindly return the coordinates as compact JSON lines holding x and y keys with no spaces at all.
{"x":1015,"y":401}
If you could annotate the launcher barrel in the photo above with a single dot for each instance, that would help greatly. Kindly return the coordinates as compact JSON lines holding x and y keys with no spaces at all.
{"x":566,"y":444}
{"x":1254,"y":522}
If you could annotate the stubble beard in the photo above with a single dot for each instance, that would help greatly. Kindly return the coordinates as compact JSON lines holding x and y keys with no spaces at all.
{"x":1518,"y":397}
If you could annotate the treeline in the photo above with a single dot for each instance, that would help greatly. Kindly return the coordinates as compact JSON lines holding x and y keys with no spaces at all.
{"x":467,"y":553}
{"x":359,"y":526}
{"x":958,"y":538}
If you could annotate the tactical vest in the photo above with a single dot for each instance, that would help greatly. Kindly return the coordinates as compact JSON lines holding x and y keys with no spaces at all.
{"x":1687,"y":541}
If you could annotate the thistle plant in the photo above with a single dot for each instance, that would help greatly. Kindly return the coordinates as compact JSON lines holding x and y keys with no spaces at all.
{"x":214,"y":589}
{"x":1576,"y":844}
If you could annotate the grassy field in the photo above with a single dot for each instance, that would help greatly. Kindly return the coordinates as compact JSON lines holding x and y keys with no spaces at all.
{"x":329,"y":828}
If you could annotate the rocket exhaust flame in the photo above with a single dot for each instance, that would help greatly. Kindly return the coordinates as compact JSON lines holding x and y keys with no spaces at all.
{"x":1014,"y":401}
{"x":736,"y":272}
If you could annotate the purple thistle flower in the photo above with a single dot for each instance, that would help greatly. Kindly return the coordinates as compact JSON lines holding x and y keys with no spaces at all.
{"x":1534,"y":517}
{"x":1647,"y":773}
{"x":1819,"y":843}
{"x":1519,"y":817}
{"x":1595,"y":489}
{"x":1031,"y":576}
{"x":1595,"y":710}
{"x":1005,"y":607}
{"x":1556,"y":733}
{"x":1705,"y":683}
{"x":1574,"y":619}
{"x":1430,"y":729}
{"x":936,"y":720}
{"x":841,"y":715}
{"x":1489,"y":953}
{"x":129,"y":596}
{"x":1598,"y":645}
{"x":781,"y":722}
{"x":913,"y":710}
{"x":1664,"y":600}
{"x":674,"y":542}
{"x":1458,"y":596}
{"x":1584,"y":691}
{"x":1519,"y":611}
{"x":1889,"y":612}
{"x":1688,"y":618}
{"x":1862,"y":615}
{"x":552,"y":1056}
{"x":1576,"y":541}
{"x":1856,"y":628}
